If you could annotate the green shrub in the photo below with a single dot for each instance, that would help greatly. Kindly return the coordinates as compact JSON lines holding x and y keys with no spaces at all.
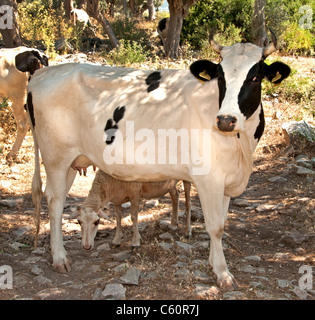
{"x":225,"y":36}
{"x":39,"y":21}
{"x":127,"y":29}
{"x":3,"y":103}
{"x":296,"y":88}
{"x":230,"y":17}
{"x":127,"y":53}
{"x":297,"y":40}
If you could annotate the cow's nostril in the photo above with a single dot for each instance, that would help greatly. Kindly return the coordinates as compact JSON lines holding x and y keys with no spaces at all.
{"x":87,"y":247}
{"x":226,"y":122}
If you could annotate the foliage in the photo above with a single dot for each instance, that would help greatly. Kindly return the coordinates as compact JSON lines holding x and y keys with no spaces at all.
{"x":233,"y":19}
{"x":226,"y":16}
{"x":297,"y":40}
{"x":127,"y":29}
{"x":3,"y":104}
{"x":284,"y":17}
{"x":297,"y":88}
{"x":39,"y":21}
{"x":129,"y":52}
{"x":42,"y":21}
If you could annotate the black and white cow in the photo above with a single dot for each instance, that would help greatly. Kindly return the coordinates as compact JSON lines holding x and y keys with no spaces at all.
{"x":162,"y":28}
{"x":16,"y":65}
{"x":200,"y":125}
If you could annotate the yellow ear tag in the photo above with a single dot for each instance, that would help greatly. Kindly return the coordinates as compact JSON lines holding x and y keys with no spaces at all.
{"x":277,"y":77}
{"x":204,"y":75}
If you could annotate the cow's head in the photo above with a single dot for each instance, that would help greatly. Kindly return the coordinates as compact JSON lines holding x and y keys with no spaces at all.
{"x":89,"y":220}
{"x":239,"y":77}
{"x":30,"y":61}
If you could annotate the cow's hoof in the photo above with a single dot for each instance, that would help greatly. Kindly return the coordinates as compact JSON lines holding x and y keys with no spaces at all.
{"x":116,"y":242}
{"x":227,"y":282}
{"x":62,"y":267}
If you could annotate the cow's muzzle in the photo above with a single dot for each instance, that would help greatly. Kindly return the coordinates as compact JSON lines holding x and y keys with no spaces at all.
{"x":226,"y":123}
{"x":87,"y":247}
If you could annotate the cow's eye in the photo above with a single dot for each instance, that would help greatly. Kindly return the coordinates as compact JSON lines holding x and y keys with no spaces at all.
{"x":97,"y":222}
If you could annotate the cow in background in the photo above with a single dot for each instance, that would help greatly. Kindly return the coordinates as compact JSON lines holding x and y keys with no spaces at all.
{"x":162,"y":29}
{"x":79,"y":15}
{"x":16,"y":65}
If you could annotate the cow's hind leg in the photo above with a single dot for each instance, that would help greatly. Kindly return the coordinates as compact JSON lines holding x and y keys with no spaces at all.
{"x":215,"y":205}
{"x":134,"y":218}
{"x":56,"y":191}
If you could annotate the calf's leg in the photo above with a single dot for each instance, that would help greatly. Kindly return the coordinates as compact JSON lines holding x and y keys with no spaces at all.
{"x":187,"y":187}
{"x":175,"y":200}
{"x":118,"y":235}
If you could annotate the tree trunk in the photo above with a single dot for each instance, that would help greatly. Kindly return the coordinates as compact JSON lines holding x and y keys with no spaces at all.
{"x":258,"y":23}
{"x":132,"y":7}
{"x":125,"y":7}
{"x":68,"y":7}
{"x":174,"y":30}
{"x":93,"y":10}
{"x":178,"y":11}
{"x":80,"y":3}
{"x":8,"y":24}
{"x":151,"y":9}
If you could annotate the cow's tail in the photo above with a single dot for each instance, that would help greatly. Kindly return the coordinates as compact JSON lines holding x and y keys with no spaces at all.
{"x":37,"y":182}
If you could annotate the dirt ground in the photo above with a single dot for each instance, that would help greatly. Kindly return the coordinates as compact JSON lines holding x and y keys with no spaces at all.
{"x":268,"y":237}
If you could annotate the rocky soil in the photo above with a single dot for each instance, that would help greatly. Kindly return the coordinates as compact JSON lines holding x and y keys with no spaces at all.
{"x":269,"y":236}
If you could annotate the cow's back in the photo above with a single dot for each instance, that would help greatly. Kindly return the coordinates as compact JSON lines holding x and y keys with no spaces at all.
{"x":12,"y":81}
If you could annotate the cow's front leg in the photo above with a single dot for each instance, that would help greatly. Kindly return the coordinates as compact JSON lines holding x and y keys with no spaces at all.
{"x":61,"y":262}
{"x":22,"y":126}
{"x":214,"y":206}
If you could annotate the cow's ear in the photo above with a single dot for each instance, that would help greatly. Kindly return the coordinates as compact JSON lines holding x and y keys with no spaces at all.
{"x":276,"y":72}
{"x":204,"y":70}
{"x":27,"y":62}
{"x":41,"y":57}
